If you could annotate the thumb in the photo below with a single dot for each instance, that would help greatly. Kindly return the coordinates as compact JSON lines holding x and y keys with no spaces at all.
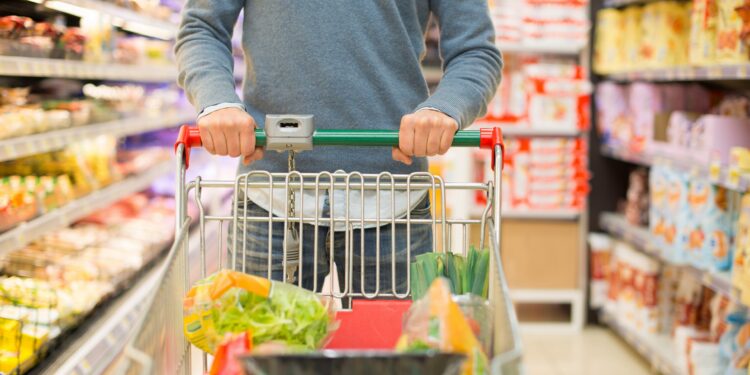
{"x":398,"y":155}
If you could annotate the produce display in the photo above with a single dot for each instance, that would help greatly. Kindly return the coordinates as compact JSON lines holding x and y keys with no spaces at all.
{"x":27,"y":110}
{"x":52,"y":284}
{"x":270,"y":311}
{"x":41,"y":183}
{"x":94,"y":41}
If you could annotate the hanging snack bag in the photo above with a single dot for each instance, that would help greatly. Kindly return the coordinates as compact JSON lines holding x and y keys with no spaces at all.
{"x":234,"y":302}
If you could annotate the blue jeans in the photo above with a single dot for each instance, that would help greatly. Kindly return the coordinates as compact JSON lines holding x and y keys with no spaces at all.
{"x":256,"y":252}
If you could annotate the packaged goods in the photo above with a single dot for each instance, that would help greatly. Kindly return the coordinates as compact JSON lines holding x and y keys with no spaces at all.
{"x":703,"y":38}
{"x":609,"y":54}
{"x":637,"y":289}
{"x":730,"y":48}
{"x":710,"y":226}
{"x":437,"y":322}
{"x":232,"y":302}
{"x":601,"y":257}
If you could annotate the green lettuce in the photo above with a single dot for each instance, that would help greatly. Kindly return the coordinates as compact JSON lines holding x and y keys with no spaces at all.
{"x":292,"y":316}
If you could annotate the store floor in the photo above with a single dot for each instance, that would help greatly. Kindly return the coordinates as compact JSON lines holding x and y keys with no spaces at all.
{"x":595,"y":351}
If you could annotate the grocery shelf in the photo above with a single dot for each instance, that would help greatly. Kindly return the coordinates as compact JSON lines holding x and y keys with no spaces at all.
{"x":14,"y":148}
{"x":125,"y":18}
{"x":659,"y":349}
{"x":29,"y":231}
{"x":104,"y":339}
{"x":542,"y":49}
{"x":719,"y":176}
{"x":516,"y":131}
{"x":686,"y":73}
{"x":36,"y":67}
{"x":541,"y":214}
{"x":642,"y":239}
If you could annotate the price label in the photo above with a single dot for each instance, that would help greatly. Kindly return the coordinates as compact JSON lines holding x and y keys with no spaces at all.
{"x":85,"y":365}
{"x":8,"y":151}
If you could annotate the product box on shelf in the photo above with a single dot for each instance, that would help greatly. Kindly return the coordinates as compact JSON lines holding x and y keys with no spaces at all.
{"x":710,"y":226}
{"x":601,"y":259}
{"x":665,"y":34}
{"x":609,"y":56}
{"x":703,"y":32}
{"x":669,"y":211}
{"x":730,"y":48}
{"x":741,"y":263}
{"x":637,"y":289}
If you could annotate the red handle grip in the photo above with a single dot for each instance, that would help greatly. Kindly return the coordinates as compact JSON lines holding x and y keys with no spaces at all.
{"x":491,"y":137}
{"x":189,"y":137}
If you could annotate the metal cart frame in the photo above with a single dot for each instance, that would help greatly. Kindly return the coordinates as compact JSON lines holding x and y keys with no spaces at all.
{"x":159,"y":346}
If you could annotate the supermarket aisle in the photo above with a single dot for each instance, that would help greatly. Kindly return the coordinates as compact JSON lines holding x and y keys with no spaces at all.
{"x":594,"y":351}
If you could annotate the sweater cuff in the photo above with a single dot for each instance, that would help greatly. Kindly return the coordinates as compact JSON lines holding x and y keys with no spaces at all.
{"x":211,"y":109}
{"x":442,"y":107}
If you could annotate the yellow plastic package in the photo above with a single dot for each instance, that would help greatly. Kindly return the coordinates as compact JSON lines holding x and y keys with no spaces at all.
{"x":437,"y":322}
{"x":609,"y":55}
{"x":729,"y":45}
{"x":234,"y":302}
{"x":703,"y":32}
{"x":632,"y":33}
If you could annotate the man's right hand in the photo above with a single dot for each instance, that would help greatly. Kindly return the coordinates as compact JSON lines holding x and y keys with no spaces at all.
{"x":230,"y":132}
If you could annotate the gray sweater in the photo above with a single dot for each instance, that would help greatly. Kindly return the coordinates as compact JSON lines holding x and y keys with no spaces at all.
{"x":353,"y":64}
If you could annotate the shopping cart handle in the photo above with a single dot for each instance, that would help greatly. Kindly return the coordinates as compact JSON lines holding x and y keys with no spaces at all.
{"x":486,"y":138}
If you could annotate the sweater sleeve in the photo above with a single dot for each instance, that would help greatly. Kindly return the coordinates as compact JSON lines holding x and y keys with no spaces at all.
{"x":204,"y":52}
{"x":472,"y":64}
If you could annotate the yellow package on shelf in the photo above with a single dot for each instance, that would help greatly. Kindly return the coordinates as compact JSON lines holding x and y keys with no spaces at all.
{"x":703,"y":32}
{"x":632,"y":33}
{"x":730,"y":48}
{"x":609,"y":56}
{"x":17,"y":337}
{"x":665,"y":34}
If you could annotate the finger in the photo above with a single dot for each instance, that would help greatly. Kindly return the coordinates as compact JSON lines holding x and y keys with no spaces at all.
{"x":232,"y":135}
{"x":406,"y":135}
{"x":446,"y":140}
{"x":220,"y":141}
{"x":433,"y":140}
{"x":207,"y":140}
{"x":247,"y":141}
{"x":420,"y":137}
{"x":257,"y":154}
{"x":398,"y":155}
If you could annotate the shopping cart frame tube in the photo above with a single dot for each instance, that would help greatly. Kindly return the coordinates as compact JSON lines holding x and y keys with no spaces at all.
{"x":507,"y":347}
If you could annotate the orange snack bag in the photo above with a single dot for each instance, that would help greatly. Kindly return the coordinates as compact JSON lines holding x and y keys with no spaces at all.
{"x":436,"y":322}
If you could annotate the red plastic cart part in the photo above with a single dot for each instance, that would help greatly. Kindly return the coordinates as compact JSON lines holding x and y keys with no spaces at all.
{"x":489,"y":138}
{"x":189,"y":137}
{"x":370,"y":325}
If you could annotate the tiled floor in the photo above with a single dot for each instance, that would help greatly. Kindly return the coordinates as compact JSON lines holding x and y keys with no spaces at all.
{"x":596,"y":351}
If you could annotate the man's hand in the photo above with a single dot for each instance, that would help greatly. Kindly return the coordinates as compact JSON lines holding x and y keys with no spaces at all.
{"x":424,"y":133}
{"x":230,"y":132}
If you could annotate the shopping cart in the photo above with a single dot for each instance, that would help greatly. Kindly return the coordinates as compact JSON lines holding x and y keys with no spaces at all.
{"x":372,"y":317}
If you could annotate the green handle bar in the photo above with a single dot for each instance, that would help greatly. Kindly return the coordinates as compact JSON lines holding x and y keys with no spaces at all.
{"x":370,"y":138}
{"x":488,"y":138}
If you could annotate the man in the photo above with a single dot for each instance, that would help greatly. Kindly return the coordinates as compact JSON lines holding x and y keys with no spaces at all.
{"x":353,"y":64}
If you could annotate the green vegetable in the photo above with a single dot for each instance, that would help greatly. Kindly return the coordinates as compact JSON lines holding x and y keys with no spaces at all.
{"x":290,"y":316}
{"x":466,"y":275}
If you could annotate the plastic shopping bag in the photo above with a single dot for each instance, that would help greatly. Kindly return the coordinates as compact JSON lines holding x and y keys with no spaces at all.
{"x":437,"y":322}
{"x":270,"y":311}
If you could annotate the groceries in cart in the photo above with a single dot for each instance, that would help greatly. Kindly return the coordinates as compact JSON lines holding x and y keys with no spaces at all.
{"x":269,"y":311}
{"x":436,"y":322}
{"x":466,"y":275}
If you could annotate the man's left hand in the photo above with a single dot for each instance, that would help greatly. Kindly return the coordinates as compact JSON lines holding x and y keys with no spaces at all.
{"x":424,"y":133}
